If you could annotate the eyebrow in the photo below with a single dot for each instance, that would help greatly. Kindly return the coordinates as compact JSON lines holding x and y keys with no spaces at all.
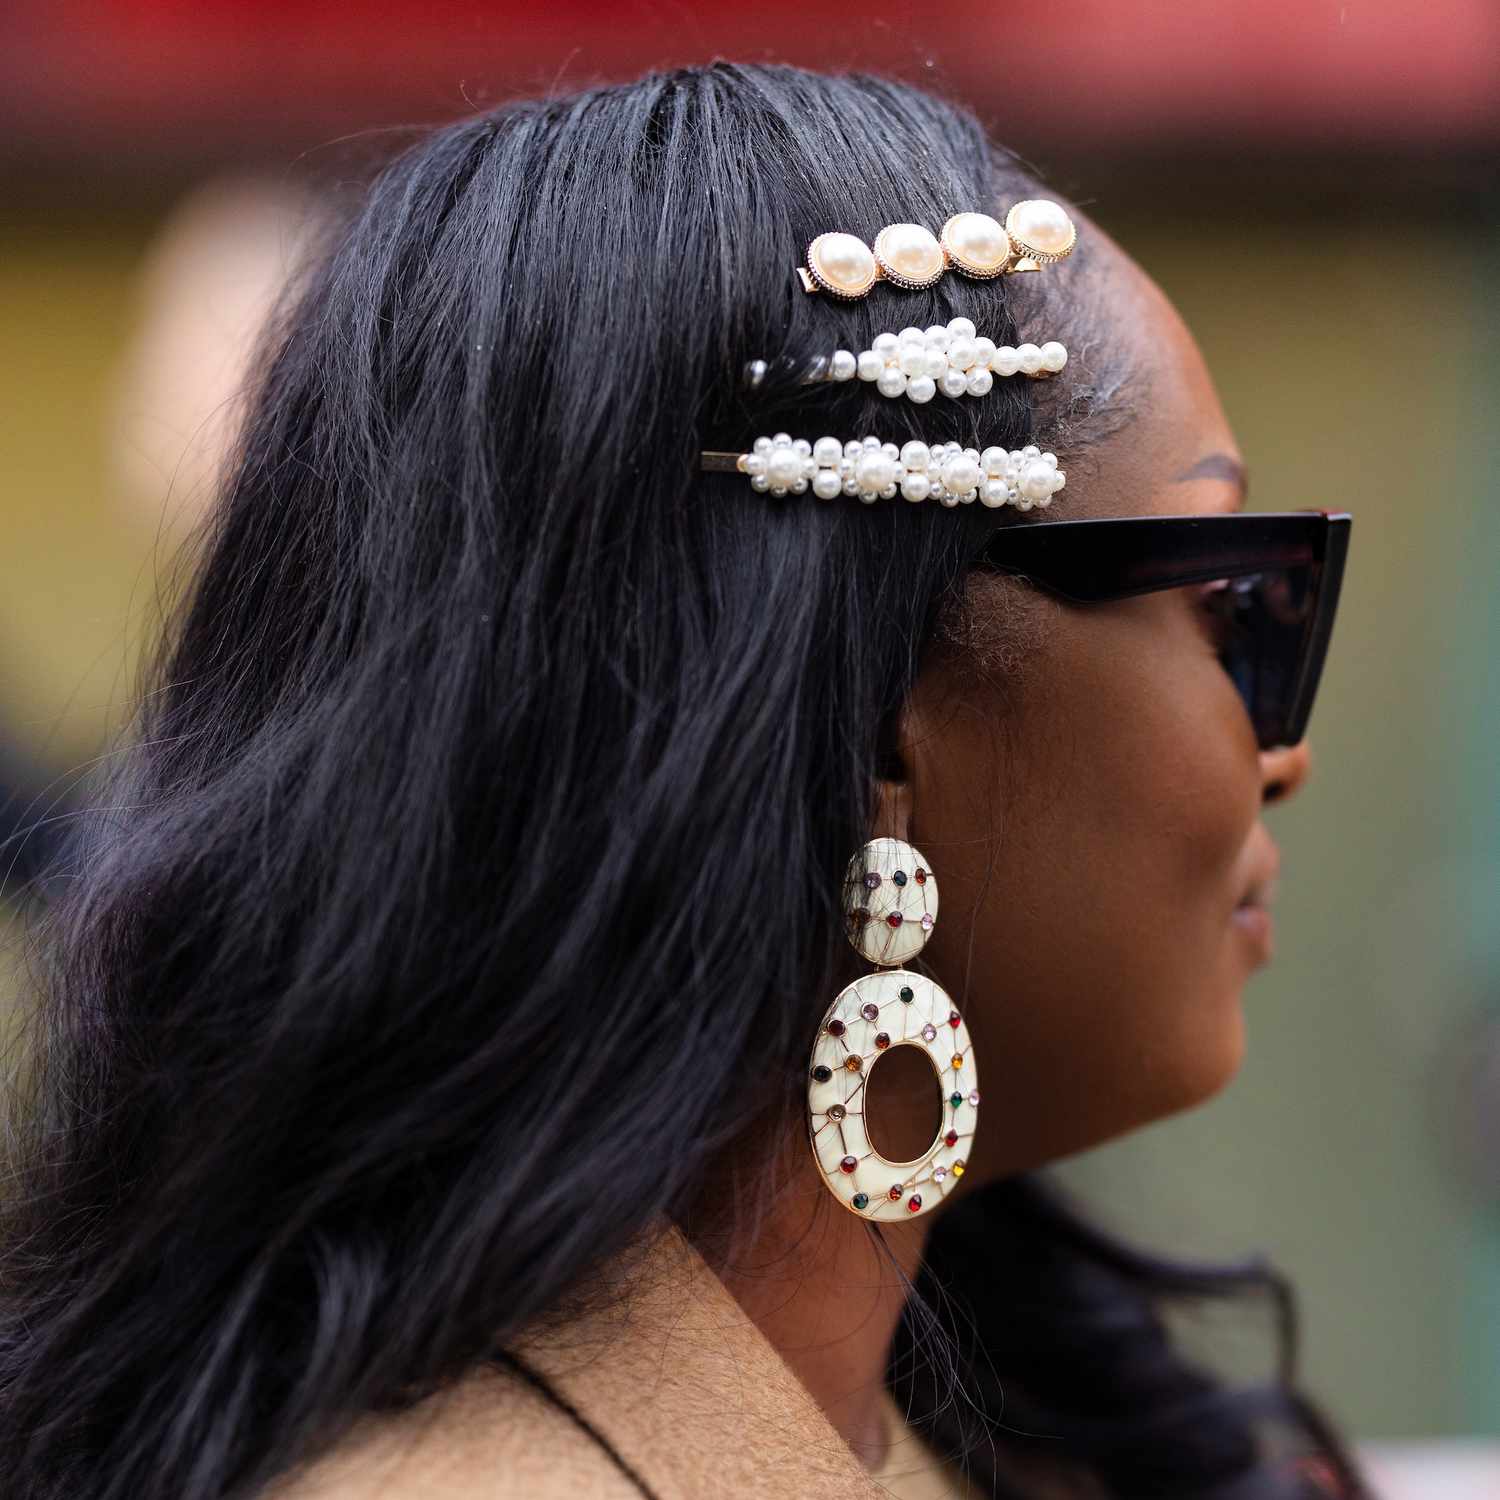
{"x":1220,"y":466}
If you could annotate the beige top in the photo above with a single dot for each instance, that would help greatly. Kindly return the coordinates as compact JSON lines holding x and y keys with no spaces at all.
{"x":678,"y":1379}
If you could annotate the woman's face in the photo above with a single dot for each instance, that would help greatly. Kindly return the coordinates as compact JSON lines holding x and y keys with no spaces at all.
{"x":1093,"y":818}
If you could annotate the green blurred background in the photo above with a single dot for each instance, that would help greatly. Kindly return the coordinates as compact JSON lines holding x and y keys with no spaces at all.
{"x":1340,"y":273}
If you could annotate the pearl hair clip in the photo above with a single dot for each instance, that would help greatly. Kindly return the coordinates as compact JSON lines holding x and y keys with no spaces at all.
{"x":918,"y":364}
{"x":1036,"y":233}
{"x":873,"y":470}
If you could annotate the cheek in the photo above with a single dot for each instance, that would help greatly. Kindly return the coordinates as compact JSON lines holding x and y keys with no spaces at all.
{"x":1090,"y":852}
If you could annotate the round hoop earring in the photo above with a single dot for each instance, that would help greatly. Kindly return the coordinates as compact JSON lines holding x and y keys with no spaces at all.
{"x":891,"y":907}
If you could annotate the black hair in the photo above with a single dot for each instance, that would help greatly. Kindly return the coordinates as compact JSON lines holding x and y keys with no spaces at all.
{"x":501,"y":767}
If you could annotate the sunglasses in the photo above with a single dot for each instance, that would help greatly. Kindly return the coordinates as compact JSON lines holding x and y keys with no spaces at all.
{"x":1274,"y":586}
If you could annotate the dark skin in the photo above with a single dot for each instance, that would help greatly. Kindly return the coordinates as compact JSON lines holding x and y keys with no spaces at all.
{"x":1093,"y":820}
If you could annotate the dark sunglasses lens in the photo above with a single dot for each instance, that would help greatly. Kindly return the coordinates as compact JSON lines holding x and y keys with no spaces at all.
{"x":1263,"y":624}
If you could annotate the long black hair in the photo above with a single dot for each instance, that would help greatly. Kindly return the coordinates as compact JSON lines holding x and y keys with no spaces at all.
{"x":489,"y":798}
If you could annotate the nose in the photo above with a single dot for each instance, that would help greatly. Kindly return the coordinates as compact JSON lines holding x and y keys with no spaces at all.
{"x":1283,"y":770}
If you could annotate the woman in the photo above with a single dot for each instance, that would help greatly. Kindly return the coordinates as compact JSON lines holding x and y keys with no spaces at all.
{"x":424,"y":1088}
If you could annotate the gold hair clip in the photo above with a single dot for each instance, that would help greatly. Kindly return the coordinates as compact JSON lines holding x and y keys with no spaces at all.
{"x":1036,"y":233}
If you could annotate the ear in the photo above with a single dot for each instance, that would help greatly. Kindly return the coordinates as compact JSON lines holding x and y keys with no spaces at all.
{"x":894,"y":790}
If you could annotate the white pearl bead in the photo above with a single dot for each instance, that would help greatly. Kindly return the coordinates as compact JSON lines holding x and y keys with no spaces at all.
{"x":1005,"y":361}
{"x":1031,"y":451}
{"x":870,"y":444}
{"x":1059,"y":479}
{"x":1042,"y":225}
{"x":891,"y":451}
{"x":1030,"y":358}
{"x":937,"y":364}
{"x":916,"y":486}
{"x":915,"y":455}
{"x":760,"y":484}
{"x":870,"y":365}
{"x":937,"y":337}
{"x":802,"y":446}
{"x":981,"y":382}
{"x":992,"y":460}
{"x":853,"y":448}
{"x":961,"y":328}
{"x":984,"y":350}
{"x":826,"y":484}
{"x":844,"y":261}
{"x":874,"y":471}
{"x":913,"y":359}
{"x":869,"y":497}
{"x":910,"y":250}
{"x":842,"y":366}
{"x":1054,"y":356}
{"x":962,"y":353}
{"x":828,"y":451}
{"x":921,"y":389}
{"x":977,"y":241}
{"x":1036,"y":480}
{"x":910,"y":335}
{"x":885,"y":343}
{"x":892,"y":382}
{"x":1050,"y":459}
{"x":783,"y":466}
{"x":948,"y":499}
{"x":762,"y":445}
{"x":851,"y":486}
{"x":961,"y":473}
{"x":954,"y":383}
{"x":993,"y":493}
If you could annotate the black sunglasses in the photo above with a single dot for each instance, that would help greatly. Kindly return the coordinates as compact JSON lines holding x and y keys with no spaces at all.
{"x":1280,"y":573}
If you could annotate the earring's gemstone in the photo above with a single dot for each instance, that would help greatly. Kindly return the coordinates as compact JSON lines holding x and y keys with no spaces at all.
{"x":954,"y":1099}
{"x":974,"y":1098}
{"x":872,"y":881}
{"x":958,"y":1060}
{"x":954,"y":1018}
{"x":895,"y":1192}
{"x":821,"y":1074}
{"x":847,"y":1164}
{"x":958,"y":1167}
{"x":854,"y":1062}
{"x":927,"y":920}
{"x":913,"y":1203}
{"x":951,"y":1139}
{"x":835,"y":1027}
{"x":882,"y":1040}
{"x":921,"y":876}
{"x":929,"y":1032}
{"x":906,"y":993}
{"x":861,"y":1201}
{"x":836,"y":1111}
{"x":870,"y":1011}
{"x":899,"y":878}
{"x":894,"y":920}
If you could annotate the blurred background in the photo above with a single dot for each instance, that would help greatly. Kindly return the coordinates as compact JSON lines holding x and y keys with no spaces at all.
{"x":1313,"y":182}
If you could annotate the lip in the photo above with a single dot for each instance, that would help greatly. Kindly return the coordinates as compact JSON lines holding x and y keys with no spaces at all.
{"x":1259,"y":928}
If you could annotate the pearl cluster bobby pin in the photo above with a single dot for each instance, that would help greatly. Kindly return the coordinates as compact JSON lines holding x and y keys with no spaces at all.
{"x":918,"y":364}
{"x":1036,"y":233}
{"x":945,"y":472}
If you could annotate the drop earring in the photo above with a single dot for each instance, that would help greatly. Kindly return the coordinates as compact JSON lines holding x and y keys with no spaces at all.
{"x":890,"y":907}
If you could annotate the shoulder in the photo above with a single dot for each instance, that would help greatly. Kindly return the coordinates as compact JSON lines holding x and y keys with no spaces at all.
{"x":489,"y":1437}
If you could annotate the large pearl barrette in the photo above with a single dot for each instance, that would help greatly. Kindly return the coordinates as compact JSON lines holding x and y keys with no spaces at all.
{"x":945,"y":472}
{"x":919,"y":364}
{"x":1036,"y":233}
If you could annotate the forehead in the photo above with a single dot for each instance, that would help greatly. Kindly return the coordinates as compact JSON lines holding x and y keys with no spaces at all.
{"x":1147,"y":466}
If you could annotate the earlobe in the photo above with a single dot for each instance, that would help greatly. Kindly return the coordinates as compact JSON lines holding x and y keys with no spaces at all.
{"x":891,"y":816}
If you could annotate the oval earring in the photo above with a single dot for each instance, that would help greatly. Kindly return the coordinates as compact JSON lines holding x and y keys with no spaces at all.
{"x":891,"y":907}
